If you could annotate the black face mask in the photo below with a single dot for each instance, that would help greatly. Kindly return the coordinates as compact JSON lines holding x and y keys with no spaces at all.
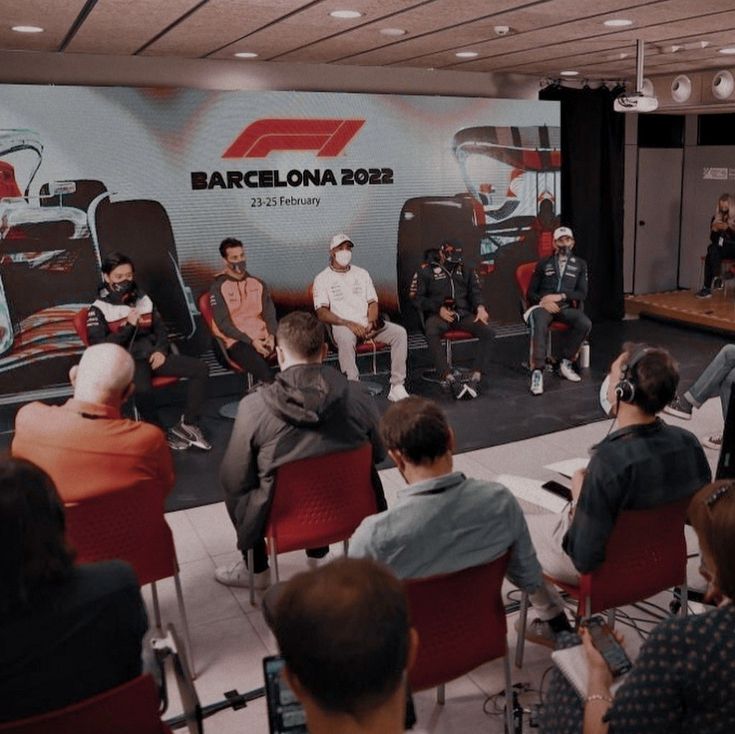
{"x":452,"y":257}
{"x":564,"y":250}
{"x":239,"y":268}
{"x":123,"y":287}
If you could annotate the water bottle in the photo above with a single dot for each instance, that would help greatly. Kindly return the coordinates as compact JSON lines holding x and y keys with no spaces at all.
{"x":584,"y":356}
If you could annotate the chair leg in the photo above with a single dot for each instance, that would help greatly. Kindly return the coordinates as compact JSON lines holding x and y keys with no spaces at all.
{"x":508,"y":693}
{"x":346,"y":546}
{"x":448,"y":347}
{"x":251,"y":577}
{"x":440,"y":694}
{"x":684,"y":596}
{"x":156,"y":608}
{"x":611,"y":618}
{"x":274,"y":557}
{"x":185,"y":621}
{"x":522,"y":619}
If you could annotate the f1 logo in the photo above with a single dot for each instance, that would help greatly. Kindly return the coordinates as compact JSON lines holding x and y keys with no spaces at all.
{"x":327,"y":137}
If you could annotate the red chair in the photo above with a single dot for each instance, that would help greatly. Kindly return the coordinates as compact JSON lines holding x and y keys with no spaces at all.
{"x":131,"y":708}
{"x":645,"y":554}
{"x":461,"y":623}
{"x":449,"y":337}
{"x":129,"y":524}
{"x":524,"y":273}
{"x":80,"y":326}
{"x":318,"y":501}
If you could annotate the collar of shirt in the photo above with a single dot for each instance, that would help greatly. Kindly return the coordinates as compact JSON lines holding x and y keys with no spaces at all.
{"x":433,"y":485}
{"x":640,"y":429}
{"x":91,"y":410}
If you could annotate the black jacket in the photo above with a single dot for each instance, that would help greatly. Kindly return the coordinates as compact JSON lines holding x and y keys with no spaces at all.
{"x":546,"y":279}
{"x":432,"y":284}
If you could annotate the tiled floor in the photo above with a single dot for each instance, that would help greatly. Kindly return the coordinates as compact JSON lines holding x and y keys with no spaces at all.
{"x":230,"y":637}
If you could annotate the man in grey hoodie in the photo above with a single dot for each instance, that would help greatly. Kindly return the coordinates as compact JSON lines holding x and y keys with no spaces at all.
{"x":311,"y":409}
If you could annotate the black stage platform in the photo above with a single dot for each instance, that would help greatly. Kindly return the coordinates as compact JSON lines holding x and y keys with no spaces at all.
{"x":505,"y":412}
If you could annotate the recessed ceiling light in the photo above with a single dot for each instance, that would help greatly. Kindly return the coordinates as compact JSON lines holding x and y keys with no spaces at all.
{"x":728,"y":50}
{"x":393,"y":31}
{"x":569,"y":73}
{"x":27,"y":29}
{"x":466,"y":54}
{"x":618,"y":22}
{"x":346,"y":14}
{"x":246,"y":55}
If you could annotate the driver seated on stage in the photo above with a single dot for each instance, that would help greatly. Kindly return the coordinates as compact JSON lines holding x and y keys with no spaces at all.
{"x":558,"y":287}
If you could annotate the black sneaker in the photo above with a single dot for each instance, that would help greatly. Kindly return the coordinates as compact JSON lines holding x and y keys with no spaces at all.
{"x":680,"y":407}
{"x":448,"y":381}
{"x":704,"y":293}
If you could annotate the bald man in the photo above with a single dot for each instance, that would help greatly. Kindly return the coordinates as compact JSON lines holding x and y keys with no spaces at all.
{"x":85,"y":445}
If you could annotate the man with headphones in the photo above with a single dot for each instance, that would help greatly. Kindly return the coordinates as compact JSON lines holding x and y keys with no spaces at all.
{"x":642,"y":464}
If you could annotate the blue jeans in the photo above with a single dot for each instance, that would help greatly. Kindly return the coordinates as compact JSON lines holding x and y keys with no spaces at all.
{"x":717,"y":379}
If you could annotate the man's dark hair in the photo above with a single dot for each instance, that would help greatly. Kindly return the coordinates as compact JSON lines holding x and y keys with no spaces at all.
{"x":33,"y":550}
{"x":227,"y":244}
{"x":417,"y":428}
{"x":343,"y":631}
{"x":655,"y":376}
{"x":114,"y":260}
{"x":301,"y":333}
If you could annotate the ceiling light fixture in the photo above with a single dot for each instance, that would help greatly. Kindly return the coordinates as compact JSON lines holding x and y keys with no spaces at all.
{"x":246,"y":54}
{"x":729,"y":50}
{"x":27,"y":29}
{"x":346,"y":14}
{"x":569,"y":73}
{"x":466,"y":54}
{"x":393,"y":31}
{"x":617,"y":23}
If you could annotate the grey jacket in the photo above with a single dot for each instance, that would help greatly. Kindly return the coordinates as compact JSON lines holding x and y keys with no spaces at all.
{"x":309,"y":410}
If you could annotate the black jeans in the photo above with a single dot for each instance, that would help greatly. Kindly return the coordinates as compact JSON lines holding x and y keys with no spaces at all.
{"x":248,"y":358}
{"x":539,"y":322}
{"x":176,"y":365}
{"x":436,"y":327}
{"x":713,"y":262}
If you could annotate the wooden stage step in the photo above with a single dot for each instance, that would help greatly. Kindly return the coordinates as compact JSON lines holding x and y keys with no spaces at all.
{"x":716,"y":313}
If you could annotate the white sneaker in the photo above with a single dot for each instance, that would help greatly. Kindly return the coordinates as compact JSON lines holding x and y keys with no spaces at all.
{"x":397,"y":392}
{"x":537,"y":382}
{"x":567,"y":371}
{"x":237,"y":575}
{"x":713,"y":442}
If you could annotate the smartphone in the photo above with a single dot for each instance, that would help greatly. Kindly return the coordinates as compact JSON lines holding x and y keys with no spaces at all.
{"x":608,"y":646}
{"x":558,"y":489}
{"x":285,"y":713}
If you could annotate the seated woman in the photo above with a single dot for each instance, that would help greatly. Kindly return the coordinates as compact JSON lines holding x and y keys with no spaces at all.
{"x":66,"y":632}
{"x":126,"y":316}
{"x":683,"y":679}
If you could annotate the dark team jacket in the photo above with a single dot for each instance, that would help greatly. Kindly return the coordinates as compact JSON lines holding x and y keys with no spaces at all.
{"x":107,"y":322}
{"x":546,"y":279}
{"x":432,"y":284}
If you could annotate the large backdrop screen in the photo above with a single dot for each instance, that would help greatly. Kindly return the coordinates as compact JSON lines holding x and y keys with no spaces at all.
{"x":165,"y":175}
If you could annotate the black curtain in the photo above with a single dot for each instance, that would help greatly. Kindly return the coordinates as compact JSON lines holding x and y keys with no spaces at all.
{"x":592,"y":155}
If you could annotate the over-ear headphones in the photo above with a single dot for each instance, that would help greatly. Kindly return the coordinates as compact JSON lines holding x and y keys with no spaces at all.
{"x":625,"y":389}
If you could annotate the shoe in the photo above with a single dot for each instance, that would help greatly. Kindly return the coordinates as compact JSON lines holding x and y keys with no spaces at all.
{"x":539,"y":632}
{"x":449,"y":379}
{"x":680,"y":407}
{"x":713,"y":442}
{"x":192,"y":434}
{"x":175,"y":443}
{"x":397,"y":392}
{"x":238,"y":575}
{"x":704,"y":293}
{"x":567,"y":371}
{"x":537,"y":382}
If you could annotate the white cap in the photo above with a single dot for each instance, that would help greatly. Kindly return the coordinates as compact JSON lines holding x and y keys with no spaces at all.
{"x":338,"y":239}
{"x":560,"y":232}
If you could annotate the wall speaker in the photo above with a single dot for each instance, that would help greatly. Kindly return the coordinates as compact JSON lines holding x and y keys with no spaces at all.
{"x":681,"y":88}
{"x":723,"y":84}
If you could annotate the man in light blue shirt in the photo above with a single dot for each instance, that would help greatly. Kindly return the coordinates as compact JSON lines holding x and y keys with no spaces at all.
{"x":444,"y":522}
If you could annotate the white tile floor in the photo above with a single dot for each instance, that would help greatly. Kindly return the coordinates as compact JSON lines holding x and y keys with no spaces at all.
{"x":230,"y":637}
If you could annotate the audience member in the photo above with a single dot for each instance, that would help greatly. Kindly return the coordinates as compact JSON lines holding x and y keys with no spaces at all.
{"x":66,"y":632}
{"x":244,"y":314}
{"x":345,"y":299}
{"x":556,"y":291}
{"x":717,"y":378}
{"x":309,"y":410}
{"x":443,"y":522}
{"x":448,"y":296}
{"x":682,"y":680}
{"x":721,"y":242}
{"x":124,"y":315}
{"x":643,"y":464}
{"x":84,"y":445}
{"x":344,"y":633}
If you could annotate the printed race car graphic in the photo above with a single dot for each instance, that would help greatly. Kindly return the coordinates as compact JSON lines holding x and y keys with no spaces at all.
{"x":509,"y":173}
{"x":51,"y":248}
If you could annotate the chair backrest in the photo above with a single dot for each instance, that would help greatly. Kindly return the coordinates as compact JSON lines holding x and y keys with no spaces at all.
{"x":80,"y":325}
{"x":205,"y":308}
{"x":127,"y":524}
{"x":322,"y":499}
{"x":524,"y":273}
{"x":460,"y":620}
{"x":131,"y":708}
{"x":646,"y":553}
